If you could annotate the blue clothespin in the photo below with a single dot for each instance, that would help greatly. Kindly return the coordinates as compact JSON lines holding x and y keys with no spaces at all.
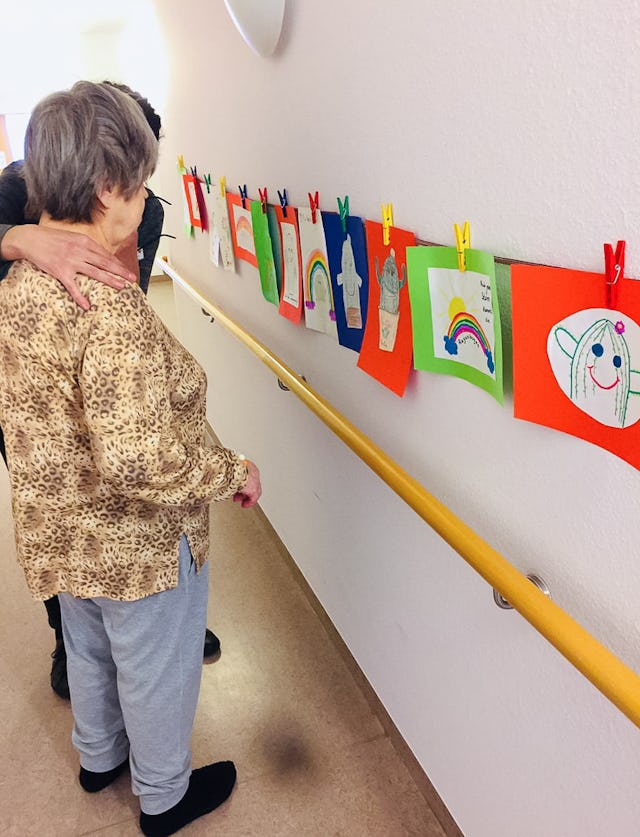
{"x":207,"y":183}
{"x":284,"y":201}
{"x":343,"y":209}
{"x":243,"y":195}
{"x":194,"y":172}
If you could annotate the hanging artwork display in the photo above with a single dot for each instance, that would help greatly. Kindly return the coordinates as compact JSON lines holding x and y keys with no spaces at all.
{"x":264,"y":252}
{"x":576,"y":362}
{"x":291,"y":299}
{"x":186,"y":215}
{"x":455,"y":316}
{"x":347,"y":251}
{"x":241,"y":228}
{"x":220,"y":241}
{"x":195,"y":200}
{"x":319,"y":306}
{"x":387,"y":349}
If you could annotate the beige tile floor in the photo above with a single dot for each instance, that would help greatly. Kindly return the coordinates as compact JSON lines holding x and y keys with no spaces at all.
{"x":312,"y":758}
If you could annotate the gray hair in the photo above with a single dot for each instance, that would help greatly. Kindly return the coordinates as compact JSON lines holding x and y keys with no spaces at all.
{"x":81,"y":141}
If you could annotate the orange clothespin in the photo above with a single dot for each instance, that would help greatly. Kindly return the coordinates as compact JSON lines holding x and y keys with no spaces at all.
{"x":463,"y":242}
{"x":313,"y":205}
{"x":613,"y":270}
{"x":223,"y":186}
{"x":387,"y":222}
{"x":263,"y":198}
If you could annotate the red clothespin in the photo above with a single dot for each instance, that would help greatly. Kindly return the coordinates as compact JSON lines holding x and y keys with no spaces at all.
{"x":243,"y":195}
{"x":313,"y":204}
{"x":613,"y":270}
{"x":284,"y":201}
{"x":263,"y":198}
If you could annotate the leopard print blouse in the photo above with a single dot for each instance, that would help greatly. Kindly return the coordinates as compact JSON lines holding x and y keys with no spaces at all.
{"x":103,"y":414}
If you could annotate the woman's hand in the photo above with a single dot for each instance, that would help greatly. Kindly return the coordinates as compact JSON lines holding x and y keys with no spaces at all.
{"x":250,"y":494}
{"x":64,"y":254}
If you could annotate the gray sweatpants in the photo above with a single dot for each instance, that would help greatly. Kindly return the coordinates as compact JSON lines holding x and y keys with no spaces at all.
{"x":134,"y":673}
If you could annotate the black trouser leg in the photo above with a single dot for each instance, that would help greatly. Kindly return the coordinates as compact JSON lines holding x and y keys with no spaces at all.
{"x":55,"y":617}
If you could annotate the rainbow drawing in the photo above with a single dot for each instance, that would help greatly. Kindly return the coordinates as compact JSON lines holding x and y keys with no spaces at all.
{"x":244,"y":233}
{"x":464,"y":323}
{"x":318,"y":268}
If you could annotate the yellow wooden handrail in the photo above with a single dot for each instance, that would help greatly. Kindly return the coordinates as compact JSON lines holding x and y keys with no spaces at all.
{"x":619,"y":683}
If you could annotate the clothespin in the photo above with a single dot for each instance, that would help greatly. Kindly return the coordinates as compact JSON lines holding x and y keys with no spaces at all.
{"x":463,"y":242}
{"x":223,"y":186}
{"x":313,"y":204}
{"x":181,"y":165}
{"x":284,"y":201}
{"x":263,"y":198}
{"x":613,"y":270}
{"x":387,"y":222}
{"x":243,"y":195}
{"x":194,"y":172}
{"x":207,"y":183}
{"x":343,"y":209}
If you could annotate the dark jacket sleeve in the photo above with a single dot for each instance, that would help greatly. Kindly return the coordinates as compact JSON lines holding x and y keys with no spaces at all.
{"x":13,"y":200}
{"x":149,"y":233}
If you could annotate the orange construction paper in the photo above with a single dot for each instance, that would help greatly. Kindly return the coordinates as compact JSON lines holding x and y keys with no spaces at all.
{"x":542,"y":297}
{"x":242,"y":229}
{"x":292,"y":295}
{"x":390,"y":366}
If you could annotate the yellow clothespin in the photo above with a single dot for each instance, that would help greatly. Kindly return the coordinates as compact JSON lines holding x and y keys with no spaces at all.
{"x":223,"y":186}
{"x":387,"y":222}
{"x":181,"y":165}
{"x":463,"y":242}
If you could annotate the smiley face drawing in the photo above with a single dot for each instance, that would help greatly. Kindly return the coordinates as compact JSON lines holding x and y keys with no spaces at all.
{"x":590,"y":355}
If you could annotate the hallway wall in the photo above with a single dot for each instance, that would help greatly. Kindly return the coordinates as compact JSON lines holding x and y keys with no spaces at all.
{"x":517,"y":117}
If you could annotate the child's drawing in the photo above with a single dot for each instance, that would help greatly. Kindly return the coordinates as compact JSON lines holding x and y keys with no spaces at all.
{"x":390,"y":285}
{"x":463,"y":318}
{"x":351,"y":284}
{"x":244,"y":228}
{"x":591,"y":355}
{"x":291,"y":257}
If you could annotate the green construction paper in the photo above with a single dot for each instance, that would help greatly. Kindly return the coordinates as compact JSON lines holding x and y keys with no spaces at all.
{"x":455,"y":316}
{"x":264,"y":253}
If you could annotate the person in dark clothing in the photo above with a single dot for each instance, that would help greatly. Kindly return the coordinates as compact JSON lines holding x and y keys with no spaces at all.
{"x":63,"y":255}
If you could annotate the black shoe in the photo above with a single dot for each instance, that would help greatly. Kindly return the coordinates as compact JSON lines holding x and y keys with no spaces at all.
{"x":211,"y":644}
{"x":208,"y":787}
{"x":59,"y":682}
{"x":93,"y":782}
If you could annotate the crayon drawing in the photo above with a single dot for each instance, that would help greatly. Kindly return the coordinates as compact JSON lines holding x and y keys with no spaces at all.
{"x":462,"y":318}
{"x":590,"y":354}
{"x":319,"y":307}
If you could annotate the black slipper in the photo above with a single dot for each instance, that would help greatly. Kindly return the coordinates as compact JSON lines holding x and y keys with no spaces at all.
{"x":209,"y":787}
{"x":94,"y":782}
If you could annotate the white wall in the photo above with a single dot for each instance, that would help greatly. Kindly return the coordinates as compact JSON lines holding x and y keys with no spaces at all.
{"x":521,"y":118}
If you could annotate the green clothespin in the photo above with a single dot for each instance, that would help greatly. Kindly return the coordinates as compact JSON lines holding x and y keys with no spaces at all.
{"x":207,"y":183}
{"x":343,"y":208}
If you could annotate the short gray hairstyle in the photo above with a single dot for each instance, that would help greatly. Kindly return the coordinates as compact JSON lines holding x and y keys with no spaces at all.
{"x":81,"y":141}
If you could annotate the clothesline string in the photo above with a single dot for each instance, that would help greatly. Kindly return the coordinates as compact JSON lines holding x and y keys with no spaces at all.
{"x":497,"y":259}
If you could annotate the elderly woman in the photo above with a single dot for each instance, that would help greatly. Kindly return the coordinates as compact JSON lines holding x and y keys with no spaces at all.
{"x":104,"y":422}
